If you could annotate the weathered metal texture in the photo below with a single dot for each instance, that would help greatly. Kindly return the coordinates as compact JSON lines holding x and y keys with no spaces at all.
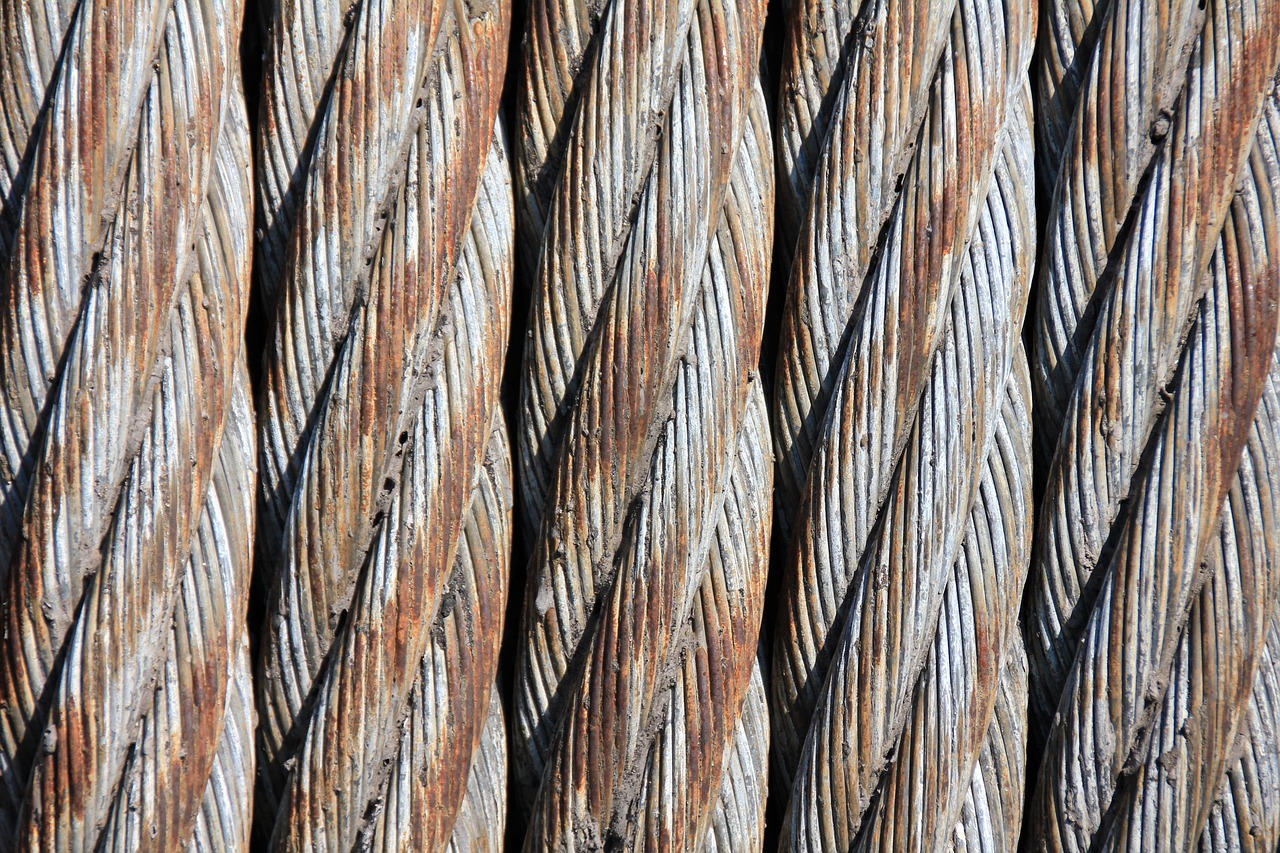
{"x":1195,"y":733}
{"x":482,"y":818}
{"x":1154,"y":581}
{"x":223,"y":822}
{"x":1140,"y":64}
{"x":737,"y":819}
{"x":976,"y":657}
{"x":991,"y":818}
{"x":1135,"y":61}
{"x":903,"y":425}
{"x":443,"y":729}
{"x":645,"y":178}
{"x":1246,"y":815}
{"x":387,"y":239}
{"x":126,"y":460}
{"x":158,"y":808}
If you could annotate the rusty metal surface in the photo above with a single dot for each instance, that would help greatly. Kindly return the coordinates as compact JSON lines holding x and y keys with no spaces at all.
{"x":902,"y":417}
{"x":866,"y":146}
{"x":644,"y":175}
{"x":481,"y":825}
{"x":944,"y":665}
{"x":351,"y":180}
{"x":448,"y":727}
{"x":991,"y":818}
{"x":1134,"y":58}
{"x":124,"y":252}
{"x":737,"y":820}
{"x":1193,"y":736}
{"x":192,"y":761}
{"x":392,"y":240}
{"x":1246,"y":814}
{"x":973,"y":663}
{"x":1149,"y":602}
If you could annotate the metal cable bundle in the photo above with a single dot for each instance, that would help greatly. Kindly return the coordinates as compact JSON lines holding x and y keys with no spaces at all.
{"x":387,"y":238}
{"x":902,"y":419}
{"x":1154,"y":584}
{"x":645,"y":194}
{"x":126,"y":453}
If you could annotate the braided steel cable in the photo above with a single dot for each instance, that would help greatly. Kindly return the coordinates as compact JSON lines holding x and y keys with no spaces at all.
{"x":1138,"y":69}
{"x":903,"y":424}
{"x":125,"y":532}
{"x":1203,"y":719}
{"x":425,"y":792}
{"x":975,"y":665}
{"x":157,"y":807}
{"x":991,"y":818}
{"x":644,"y":175}
{"x":737,"y":819}
{"x":387,"y":238}
{"x":1153,"y":581}
{"x":1155,"y":336}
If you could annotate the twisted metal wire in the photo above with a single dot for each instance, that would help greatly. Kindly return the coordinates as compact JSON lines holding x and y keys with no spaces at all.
{"x":1246,"y":814}
{"x":127,"y":465}
{"x":462,"y":651}
{"x":902,"y":411}
{"x":1202,"y":722}
{"x":644,"y":181}
{"x":386,"y":237}
{"x":1153,"y":584}
{"x":481,"y":824}
{"x":157,"y":808}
